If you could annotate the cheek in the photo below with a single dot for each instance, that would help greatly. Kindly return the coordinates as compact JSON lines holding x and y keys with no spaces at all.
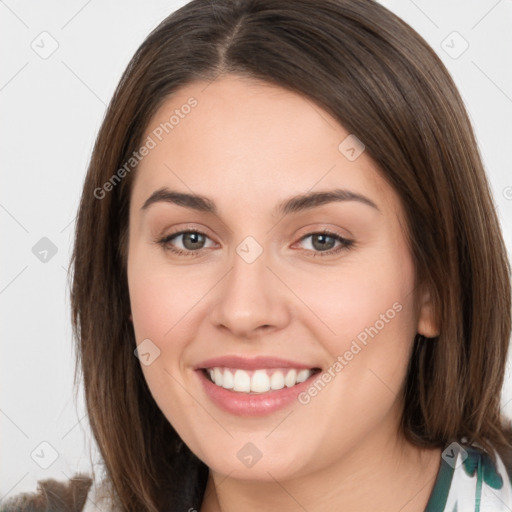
{"x":364,"y":292}
{"x":377,"y":325}
{"x":161,"y":298}
{"x":151,"y":303}
{"x":159,"y":314}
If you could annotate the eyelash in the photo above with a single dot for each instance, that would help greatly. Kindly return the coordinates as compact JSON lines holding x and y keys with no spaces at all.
{"x":345,"y":243}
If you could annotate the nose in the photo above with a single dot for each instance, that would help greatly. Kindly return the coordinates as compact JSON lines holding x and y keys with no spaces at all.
{"x":250,"y":300}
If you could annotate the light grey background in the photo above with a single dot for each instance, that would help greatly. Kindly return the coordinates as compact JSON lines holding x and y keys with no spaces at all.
{"x":51,"y":109}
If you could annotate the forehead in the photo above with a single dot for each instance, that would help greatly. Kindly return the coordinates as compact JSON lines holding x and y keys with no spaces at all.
{"x":250,"y":139}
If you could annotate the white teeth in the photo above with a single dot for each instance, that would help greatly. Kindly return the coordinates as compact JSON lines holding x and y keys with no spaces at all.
{"x":258,"y":381}
{"x":228,"y":381}
{"x":277,"y":380}
{"x":217,"y":376}
{"x":291,"y":378}
{"x":242,"y":381}
{"x":303,"y":375}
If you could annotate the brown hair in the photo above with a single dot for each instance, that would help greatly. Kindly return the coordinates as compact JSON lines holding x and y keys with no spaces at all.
{"x":382,"y":82}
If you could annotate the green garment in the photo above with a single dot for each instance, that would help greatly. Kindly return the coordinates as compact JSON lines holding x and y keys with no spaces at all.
{"x":468,"y":481}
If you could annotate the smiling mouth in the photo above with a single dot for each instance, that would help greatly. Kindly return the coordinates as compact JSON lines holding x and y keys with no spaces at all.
{"x":257,"y":381}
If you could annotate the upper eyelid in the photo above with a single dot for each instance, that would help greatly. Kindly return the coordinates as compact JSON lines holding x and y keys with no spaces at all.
{"x":328,"y":232}
{"x":204,"y":230}
{"x":181,"y":232}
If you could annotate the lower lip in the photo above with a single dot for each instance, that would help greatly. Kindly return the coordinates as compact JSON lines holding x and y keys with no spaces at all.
{"x":260,"y":404}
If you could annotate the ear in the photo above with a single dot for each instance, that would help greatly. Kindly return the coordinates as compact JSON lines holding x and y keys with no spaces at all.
{"x":427,"y":323}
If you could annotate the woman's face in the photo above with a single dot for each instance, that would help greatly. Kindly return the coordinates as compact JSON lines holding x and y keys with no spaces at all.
{"x":262,"y":290}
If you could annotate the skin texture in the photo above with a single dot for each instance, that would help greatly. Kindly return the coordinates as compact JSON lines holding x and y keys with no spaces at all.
{"x":247,"y":146}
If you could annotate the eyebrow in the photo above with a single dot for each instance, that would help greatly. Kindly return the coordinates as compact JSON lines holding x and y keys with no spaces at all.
{"x":291,"y":205}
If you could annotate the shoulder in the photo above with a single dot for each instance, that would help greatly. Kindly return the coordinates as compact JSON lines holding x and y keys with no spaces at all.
{"x":471,"y":479}
{"x":52,"y":494}
{"x":77,"y":494}
{"x":481,"y":478}
{"x":98,"y":498}
{"x":506,"y":457}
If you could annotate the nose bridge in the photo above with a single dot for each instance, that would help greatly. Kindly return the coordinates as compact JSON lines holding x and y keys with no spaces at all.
{"x":250,"y":296}
{"x":249,"y":274}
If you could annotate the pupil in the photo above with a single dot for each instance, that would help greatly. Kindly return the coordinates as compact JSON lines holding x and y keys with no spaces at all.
{"x":322,"y":243}
{"x":189,"y":236}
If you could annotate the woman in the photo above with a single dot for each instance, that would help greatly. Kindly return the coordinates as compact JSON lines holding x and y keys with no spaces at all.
{"x":226,"y":366}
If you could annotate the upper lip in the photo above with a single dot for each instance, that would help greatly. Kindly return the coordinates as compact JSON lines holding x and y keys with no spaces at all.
{"x":251,"y":363}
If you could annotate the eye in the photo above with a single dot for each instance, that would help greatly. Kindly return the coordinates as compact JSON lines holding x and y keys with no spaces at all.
{"x":193,"y":242}
{"x":323,"y":243}
{"x":324,"y":240}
